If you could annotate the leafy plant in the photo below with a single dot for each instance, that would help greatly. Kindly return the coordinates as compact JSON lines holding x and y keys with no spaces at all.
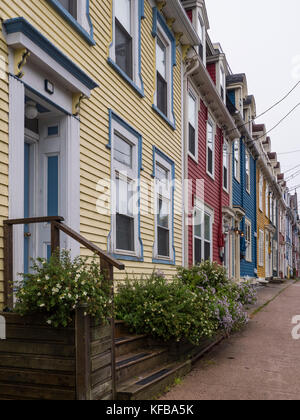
{"x":58,"y":286}
{"x":166,"y":310}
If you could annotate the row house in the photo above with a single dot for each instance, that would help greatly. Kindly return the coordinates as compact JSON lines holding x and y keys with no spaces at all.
{"x":92,"y":127}
{"x":207,"y":150}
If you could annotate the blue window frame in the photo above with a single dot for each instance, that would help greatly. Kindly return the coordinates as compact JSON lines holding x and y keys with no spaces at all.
{"x":131,"y":71}
{"x":83,"y":24}
{"x":164,"y":176}
{"x":164,"y":37}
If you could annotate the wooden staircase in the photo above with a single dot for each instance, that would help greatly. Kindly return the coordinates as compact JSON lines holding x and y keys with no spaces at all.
{"x":146,"y":368}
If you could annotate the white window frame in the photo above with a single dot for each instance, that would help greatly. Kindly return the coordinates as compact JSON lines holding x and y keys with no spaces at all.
{"x":222,"y":82}
{"x":199,"y":206}
{"x":248,"y":171}
{"x":168,"y":195}
{"x":261,"y":190}
{"x":226,"y":158}
{"x":248,"y":240}
{"x":261,"y":249}
{"x":169,"y":69}
{"x":82,"y":16}
{"x":135,"y":24}
{"x":129,"y":173}
{"x":237,"y":162}
{"x":211,"y":122}
{"x":193,"y":94}
{"x":267,"y":207}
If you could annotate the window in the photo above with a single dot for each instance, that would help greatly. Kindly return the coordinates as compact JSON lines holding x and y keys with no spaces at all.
{"x":193,"y":124}
{"x":125,"y":146}
{"x":248,"y":172}
{"x":210,"y":148}
{"x":164,"y":189}
{"x":261,"y":247}
{"x":125,"y":49}
{"x":165,"y":52}
{"x":225,"y":165}
{"x":202,"y":236}
{"x":236,"y":148}
{"x":201,"y":36}
{"x":77,"y":14}
{"x":261,"y":187}
{"x":123,"y":34}
{"x":267,"y":209}
{"x":248,"y":240}
{"x":70,"y":6}
{"x":161,"y":77}
{"x":222,"y":83}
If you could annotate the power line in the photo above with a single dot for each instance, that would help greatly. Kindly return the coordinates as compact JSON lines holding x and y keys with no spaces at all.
{"x":289,"y":170}
{"x":275,"y":126}
{"x":288,"y":153}
{"x":269,"y":109}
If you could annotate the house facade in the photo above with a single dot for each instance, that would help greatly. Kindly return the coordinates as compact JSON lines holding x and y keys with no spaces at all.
{"x":207,"y":150}
{"x":75,"y":146}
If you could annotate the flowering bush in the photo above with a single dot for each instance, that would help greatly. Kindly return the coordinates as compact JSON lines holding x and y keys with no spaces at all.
{"x":56,"y":287}
{"x":207,"y":274}
{"x":166,"y":310}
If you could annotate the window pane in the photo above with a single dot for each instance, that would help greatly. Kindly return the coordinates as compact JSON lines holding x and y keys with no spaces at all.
{"x":125,"y":232}
{"x":123,"y":13}
{"x":225,"y":176}
{"x":206,"y":251}
{"x":124,"y":197}
{"x":192,"y":110}
{"x":70,"y":6}
{"x":163,"y":242}
{"x":161,"y":59}
{"x":192,"y":140}
{"x":207,"y":227}
{"x":198,"y":224}
{"x":210,"y":161}
{"x":162,"y":174}
{"x":163,"y":213}
{"x":122,"y":151}
{"x":162,"y":92}
{"x":123,"y":49}
{"x":198,"y":251}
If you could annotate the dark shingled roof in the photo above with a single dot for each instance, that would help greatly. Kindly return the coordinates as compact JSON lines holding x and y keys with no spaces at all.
{"x":249,"y":100}
{"x":272,"y":155}
{"x":235,"y":78}
{"x":280,"y":177}
{"x":259,"y":127}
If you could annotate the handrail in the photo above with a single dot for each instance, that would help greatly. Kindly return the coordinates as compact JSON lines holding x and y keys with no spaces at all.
{"x":70,"y":232}
{"x":32,"y":220}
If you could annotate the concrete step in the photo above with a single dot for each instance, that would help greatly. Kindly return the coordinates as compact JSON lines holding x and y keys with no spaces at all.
{"x":130,"y":344}
{"x":133,"y":364}
{"x":152,"y":383}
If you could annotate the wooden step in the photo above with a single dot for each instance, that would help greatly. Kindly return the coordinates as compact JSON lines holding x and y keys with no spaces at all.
{"x":130,"y":344}
{"x":151,"y":384}
{"x":133,"y":364}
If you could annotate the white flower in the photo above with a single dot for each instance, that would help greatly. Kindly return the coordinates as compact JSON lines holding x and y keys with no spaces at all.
{"x":42,"y":305}
{"x":49,"y":322}
{"x":47,"y":278}
{"x":84,"y":293}
{"x":39,"y":294}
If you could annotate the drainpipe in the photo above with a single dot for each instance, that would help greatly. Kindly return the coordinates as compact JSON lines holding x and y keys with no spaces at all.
{"x":185,"y":162}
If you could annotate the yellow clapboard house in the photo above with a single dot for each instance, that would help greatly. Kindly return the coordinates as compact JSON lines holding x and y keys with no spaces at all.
{"x":90,"y":114}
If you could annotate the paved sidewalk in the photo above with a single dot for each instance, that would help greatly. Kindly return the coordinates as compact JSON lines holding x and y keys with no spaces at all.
{"x":262,"y":362}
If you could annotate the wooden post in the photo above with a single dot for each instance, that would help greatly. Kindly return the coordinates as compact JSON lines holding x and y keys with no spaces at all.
{"x":8,"y":266}
{"x":83,"y":361}
{"x":108,"y":273}
{"x":55,"y":242}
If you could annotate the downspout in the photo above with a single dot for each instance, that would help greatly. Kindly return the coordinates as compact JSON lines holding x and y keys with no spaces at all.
{"x":185,"y":164}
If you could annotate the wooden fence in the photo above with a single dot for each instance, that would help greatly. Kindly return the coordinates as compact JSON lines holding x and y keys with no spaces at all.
{"x":38,"y":362}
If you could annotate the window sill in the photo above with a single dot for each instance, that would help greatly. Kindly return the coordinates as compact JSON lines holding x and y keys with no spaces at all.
{"x":193,"y":157}
{"x":127,"y":79}
{"x":162,"y":261}
{"x":73,"y":22}
{"x":166,"y":119}
{"x":210,"y":175}
{"x":128,"y":257}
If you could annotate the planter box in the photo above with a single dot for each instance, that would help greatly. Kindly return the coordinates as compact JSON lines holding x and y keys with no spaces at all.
{"x":41,"y":362}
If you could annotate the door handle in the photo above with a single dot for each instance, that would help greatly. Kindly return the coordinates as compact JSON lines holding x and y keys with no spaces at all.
{"x":27,"y":235}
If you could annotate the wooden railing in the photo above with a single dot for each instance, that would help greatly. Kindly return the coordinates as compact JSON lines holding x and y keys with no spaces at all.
{"x":107,"y":263}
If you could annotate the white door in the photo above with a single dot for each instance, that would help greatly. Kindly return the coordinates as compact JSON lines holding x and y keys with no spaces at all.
{"x":267,"y":264}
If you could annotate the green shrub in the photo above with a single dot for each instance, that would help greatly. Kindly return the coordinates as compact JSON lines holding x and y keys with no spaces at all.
{"x":166,"y":310}
{"x":207,"y":274}
{"x":56,"y":287}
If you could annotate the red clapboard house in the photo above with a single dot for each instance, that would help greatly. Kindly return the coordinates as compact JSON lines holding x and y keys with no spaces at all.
{"x":209,"y":133}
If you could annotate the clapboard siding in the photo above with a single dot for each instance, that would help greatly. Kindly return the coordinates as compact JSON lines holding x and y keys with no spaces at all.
{"x":138,"y":112}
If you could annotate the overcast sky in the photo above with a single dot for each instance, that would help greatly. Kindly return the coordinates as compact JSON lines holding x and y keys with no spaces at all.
{"x":262,"y":39}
